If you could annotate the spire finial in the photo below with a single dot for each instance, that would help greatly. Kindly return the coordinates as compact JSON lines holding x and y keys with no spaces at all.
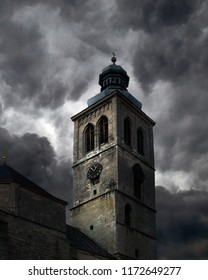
{"x":4,"y":159}
{"x":113,"y":59}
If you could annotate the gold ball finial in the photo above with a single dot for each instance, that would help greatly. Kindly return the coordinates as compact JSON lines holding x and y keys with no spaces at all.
{"x":113,"y":59}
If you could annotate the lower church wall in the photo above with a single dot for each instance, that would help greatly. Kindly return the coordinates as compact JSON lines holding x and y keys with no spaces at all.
{"x":23,"y":239}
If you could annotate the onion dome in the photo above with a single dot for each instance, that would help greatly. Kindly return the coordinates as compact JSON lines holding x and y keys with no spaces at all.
{"x":113,"y":76}
{"x":114,"y":79}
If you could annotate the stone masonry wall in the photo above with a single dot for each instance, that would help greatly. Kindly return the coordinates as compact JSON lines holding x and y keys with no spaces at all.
{"x":134,"y":244}
{"x":8,"y":197}
{"x":40,"y":209}
{"x":97,"y":219}
{"x":117,"y":159}
{"x":28,"y":240}
{"x":28,"y":204}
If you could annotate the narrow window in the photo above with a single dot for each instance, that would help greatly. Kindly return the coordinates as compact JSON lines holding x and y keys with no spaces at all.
{"x":89,"y":138}
{"x":140,"y":141}
{"x":128,"y":214}
{"x":138,"y":180}
{"x":127,"y":131}
{"x":103,"y":130}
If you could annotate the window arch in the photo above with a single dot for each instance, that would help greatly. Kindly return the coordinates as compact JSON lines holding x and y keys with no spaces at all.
{"x":140,"y":141}
{"x":89,"y":136}
{"x":138,"y":180}
{"x":103,"y":130}
{"x":127,"y":131}
{"x":128,"y":211}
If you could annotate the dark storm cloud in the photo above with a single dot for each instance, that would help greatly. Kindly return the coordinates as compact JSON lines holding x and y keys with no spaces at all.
{"x":23,"y":65}
{"x":23,"y":57}
{"x":183,"y":128}
{"x":154,"y":15}
{"x":172,"y":55}
{"x":53,"y":95}
{"x":72,"y":9}
{"x":173,"y":49}
{"x":182,"y":224}
{"x":34,"y":157}
{"x":173,"y":43}
{"x":182,"y":142}
{"x":1,"y":109}
{"x":26,"y":61}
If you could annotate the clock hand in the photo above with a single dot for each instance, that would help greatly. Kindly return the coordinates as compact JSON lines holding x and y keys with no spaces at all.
{"x":92,"y":168}
{"x":96,"y":166}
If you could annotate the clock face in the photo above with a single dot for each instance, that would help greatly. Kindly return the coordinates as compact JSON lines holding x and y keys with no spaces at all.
{"x":94,"y":171}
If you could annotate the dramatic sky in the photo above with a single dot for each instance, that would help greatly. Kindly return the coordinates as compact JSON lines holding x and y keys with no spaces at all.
{"x":51,"y":53}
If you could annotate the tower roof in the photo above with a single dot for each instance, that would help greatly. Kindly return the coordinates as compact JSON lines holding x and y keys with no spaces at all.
{"x":114,"y":78}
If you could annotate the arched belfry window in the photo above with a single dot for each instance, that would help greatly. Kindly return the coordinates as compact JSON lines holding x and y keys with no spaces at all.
{"x":127,"y":131}
{"x":140,"y":141}
{"x":89,"y":136}
{"x":139,"y":177}
{"x":103,"y":130}
{"x":128,"y":211}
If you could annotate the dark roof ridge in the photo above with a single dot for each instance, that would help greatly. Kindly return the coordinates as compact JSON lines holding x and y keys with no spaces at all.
{"x":8,"y":174}
{"x":86,"y":243}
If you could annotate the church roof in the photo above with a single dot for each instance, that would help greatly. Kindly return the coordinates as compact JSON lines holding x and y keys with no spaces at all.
{"x":8,"y":174}
{"x":85,"y":243}
{"x":107,"y":92}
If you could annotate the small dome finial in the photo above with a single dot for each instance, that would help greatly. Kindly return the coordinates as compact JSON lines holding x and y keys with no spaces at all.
{"x":113,"y":59}
{"x":4,"y":159}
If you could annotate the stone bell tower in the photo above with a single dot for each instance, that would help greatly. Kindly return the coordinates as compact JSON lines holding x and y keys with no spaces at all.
{"x":113,"y":170}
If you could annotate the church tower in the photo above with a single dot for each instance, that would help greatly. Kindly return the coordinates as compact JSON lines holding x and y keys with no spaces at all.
{"x":113,"y":170}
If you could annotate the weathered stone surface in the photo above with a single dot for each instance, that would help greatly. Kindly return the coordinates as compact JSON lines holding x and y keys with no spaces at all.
{"x":96,"y":218}
{"x":31,"y":226}
{"x":101,"y":204}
